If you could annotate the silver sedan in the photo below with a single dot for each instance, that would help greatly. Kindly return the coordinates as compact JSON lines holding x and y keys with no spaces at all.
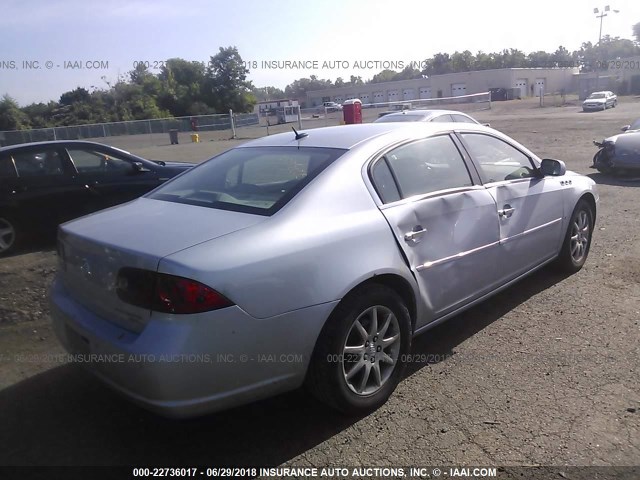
{"x":309,"y":258}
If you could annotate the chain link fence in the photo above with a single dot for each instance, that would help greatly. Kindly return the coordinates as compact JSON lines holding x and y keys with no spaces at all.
{"x":149,"y":132}
{"x":243,"y":126}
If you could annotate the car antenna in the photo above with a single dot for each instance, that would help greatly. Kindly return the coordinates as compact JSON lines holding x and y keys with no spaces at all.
{"x":299,"y":136}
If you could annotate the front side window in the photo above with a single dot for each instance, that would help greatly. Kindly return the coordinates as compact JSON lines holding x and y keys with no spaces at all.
{"x":427,"y":166}
{"x":497,"y":160}
{"x":38,"y":163}
{"x":253,"y":179}
{"x":91,"y":162}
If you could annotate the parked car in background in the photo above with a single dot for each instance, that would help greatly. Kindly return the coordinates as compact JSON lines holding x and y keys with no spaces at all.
{"x":43,"y":184}
{"x":600,"y":101}
{"x":426,"y":116}
{"x":634,"y":127}
{"x":330,"y":107}
{"x":618,"y":154}
{"x":310,"y":258}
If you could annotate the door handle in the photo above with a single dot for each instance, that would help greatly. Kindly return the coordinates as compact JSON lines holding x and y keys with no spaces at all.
{"x":414,"y":235}
{"x":507,"y":211}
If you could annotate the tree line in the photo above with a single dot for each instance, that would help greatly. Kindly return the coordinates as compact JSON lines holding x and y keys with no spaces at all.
{"x":185,"y":88}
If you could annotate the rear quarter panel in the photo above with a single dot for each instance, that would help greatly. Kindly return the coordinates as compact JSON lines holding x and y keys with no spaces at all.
{"x":327,"y":240}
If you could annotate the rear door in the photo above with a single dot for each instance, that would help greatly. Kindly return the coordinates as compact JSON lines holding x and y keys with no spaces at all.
{"x":529,"y":207}
{"x":42,"y":193}
{"x":444,"y":222}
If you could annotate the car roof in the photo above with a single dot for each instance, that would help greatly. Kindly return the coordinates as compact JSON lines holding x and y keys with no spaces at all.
{"x":348,"y":136}
{"x":58,"y":142}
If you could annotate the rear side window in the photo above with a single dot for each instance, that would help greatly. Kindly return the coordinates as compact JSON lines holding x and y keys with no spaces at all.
{"x":254,"y":179}
{"x":38,"y":163}
{"x":384,"y":183}
{"x":427,"y":166}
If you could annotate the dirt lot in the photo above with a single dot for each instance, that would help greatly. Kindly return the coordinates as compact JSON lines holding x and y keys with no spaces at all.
{"x":546,"y":373}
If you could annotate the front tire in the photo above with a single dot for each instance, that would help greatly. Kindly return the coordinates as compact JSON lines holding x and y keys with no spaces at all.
{"x":361,"y":352}
{"x":577,"y":240}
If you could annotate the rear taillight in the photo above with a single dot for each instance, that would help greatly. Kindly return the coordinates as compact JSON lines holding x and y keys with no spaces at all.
{"x":167,"y":293}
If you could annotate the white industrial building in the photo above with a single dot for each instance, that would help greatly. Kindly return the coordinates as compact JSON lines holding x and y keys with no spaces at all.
{"x":530,"y":81}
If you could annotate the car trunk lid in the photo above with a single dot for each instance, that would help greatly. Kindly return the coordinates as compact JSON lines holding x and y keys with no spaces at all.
{"x":93,"y":249}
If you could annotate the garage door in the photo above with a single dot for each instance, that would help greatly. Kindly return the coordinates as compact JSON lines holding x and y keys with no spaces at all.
{"x":425,"y":92}
{"x":394,"y":95}
{"x":539,"y":86}
{"x":408,"y":94}
{"x":364,"y":97}
{"x":521,"y":83}
{"x":458,"y":89}
{"x":379,"y":97}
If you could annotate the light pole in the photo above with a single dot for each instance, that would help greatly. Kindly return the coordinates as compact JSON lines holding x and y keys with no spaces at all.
{"x":601,"y":16}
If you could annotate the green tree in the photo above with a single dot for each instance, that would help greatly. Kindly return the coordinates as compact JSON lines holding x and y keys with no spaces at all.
{"x":41,"y":114}
{"x":462,"y":61}
{"x":182,"y":85}
{"x":268,"y":93}
{"x":226,"y":86}
{"x":384,"y":76}
{"x":539,"y":59}
{"x":636,"y":32}
{"x":11,"y":117}
{"x":408,"y":73}
{"x":297,"y":90}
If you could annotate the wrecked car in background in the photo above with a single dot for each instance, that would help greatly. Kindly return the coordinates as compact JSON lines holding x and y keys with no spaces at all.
{"x":618,"y":154}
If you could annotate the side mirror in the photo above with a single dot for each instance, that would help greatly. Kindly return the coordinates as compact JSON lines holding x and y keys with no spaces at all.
{"x":552,"y":168}
{"x":138,"y":167}
{"x":625,"y":128}
{"x":486,"y":124}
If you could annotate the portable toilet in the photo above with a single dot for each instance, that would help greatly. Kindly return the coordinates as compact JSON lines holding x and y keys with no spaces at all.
{"x":352,"y":111}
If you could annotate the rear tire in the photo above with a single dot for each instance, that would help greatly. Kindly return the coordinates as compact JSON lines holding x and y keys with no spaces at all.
{"x":10,"y":236}
{"x":361,"y":352}
{"x":577,"y":240}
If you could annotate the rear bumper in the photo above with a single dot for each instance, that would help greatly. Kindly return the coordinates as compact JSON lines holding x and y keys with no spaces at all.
{"x":187,"y":366}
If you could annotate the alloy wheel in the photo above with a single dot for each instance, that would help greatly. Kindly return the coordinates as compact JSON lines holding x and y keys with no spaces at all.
{"x":371,"y":350}
{"x":580,"y":236}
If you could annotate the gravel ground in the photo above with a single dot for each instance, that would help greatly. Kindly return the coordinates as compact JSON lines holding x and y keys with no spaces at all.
{"x":545,"y":373}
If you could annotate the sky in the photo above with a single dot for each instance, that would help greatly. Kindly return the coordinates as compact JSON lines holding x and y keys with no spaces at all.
{"x":48,"y":48}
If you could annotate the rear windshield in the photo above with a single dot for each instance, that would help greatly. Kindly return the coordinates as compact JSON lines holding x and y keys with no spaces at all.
{"x":253,"y":179}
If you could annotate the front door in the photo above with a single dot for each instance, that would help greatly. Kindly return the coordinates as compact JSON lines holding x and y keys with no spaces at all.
{"x":530,"y":207}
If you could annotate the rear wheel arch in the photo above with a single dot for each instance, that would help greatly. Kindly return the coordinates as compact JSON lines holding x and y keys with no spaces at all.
{"x":337,"y":349}
{"x":399,"y":285}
